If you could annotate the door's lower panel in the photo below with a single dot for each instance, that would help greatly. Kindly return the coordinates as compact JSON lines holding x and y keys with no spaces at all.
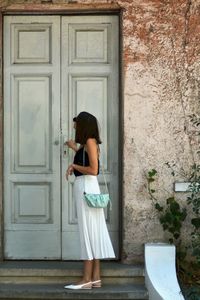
{"x":32,"y":245}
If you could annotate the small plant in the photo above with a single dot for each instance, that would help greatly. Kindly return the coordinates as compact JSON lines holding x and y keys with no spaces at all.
{"x":172,"y":215}
{"x":194,"y":201}
{"x":172,"y":218}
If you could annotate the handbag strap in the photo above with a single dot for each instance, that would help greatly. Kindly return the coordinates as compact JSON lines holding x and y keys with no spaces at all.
{"x":102,"y":168}
{"x":104,"y":177}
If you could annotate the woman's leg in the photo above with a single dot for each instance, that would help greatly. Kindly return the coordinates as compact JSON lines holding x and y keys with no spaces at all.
{"x":87,"y":271}
{"x":96,"y":270}
{"x":87,"y":276}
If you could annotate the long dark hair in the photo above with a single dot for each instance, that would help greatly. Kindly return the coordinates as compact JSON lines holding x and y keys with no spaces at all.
{"x":86,"y":127}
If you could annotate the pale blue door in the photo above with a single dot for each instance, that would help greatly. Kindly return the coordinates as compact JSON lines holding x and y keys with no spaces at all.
{"x":54,"y":67}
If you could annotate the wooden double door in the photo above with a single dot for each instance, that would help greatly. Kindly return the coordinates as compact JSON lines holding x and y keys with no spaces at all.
{"x":55,"y":67}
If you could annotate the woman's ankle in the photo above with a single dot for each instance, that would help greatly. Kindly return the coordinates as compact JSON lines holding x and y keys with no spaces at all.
{"x":96,"y":279}
{"x":86,"y":279}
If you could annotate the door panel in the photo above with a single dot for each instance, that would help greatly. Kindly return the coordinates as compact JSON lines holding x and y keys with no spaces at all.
{"x":90,"y":83}
{"x":31,"y":42}
{"x":31,"y":135}
{"x":31,"y":124}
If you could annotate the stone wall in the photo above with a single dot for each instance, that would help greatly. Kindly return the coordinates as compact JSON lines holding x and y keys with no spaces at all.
{"x":161,"y":87}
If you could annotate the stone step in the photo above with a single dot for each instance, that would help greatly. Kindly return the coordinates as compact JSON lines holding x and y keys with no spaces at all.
{"x":57,"y":292}
{"x":59,"y":272}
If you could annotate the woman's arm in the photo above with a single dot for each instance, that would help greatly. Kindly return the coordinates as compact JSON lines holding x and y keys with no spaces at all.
{"x":92,"y":169}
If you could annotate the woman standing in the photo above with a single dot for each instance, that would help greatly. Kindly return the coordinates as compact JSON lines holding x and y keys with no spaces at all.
{"x":94,"y":238}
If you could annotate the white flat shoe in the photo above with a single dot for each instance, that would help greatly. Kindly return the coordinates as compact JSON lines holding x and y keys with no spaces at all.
{"x":84,"y":286}
{"x":96,"y":284}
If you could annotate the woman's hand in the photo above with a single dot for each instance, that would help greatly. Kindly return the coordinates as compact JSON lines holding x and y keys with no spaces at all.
{"x":69,"y":171}
{"x":71,"y":144}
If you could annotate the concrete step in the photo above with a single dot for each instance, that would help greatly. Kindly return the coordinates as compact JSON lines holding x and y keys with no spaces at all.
{"x":59,"y":272}
{"x":57,"y":292}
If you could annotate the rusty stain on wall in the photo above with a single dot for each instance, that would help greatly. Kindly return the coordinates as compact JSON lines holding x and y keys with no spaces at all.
{"x":161,"y":71}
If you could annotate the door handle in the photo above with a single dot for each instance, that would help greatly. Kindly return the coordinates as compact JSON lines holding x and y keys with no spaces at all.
{"x":56,"y":143}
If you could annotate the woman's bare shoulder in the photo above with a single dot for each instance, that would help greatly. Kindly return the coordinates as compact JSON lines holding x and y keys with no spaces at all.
{"x":91,"y":141}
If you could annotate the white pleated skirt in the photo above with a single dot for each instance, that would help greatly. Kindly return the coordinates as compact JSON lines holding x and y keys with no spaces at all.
{"x":94,"y":237}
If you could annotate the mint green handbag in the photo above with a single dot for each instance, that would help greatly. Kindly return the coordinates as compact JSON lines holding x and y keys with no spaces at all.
{"x":97,"y":200}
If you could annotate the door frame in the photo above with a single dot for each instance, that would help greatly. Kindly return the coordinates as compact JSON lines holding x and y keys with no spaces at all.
{"x":63,"y":9}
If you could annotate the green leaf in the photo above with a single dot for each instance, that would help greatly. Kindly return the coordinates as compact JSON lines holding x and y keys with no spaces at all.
{"x":177,"y":224}
{"x":170,"y":200}
{"x":174,"y":207}
{"x":184,"y":214}
{"x":165,"y":227}
{"x":168,"y":217}
{"x":172,"y":230}
{"x":151,"y":179}
{"x":196,"y":222}
{"x":176,"y":235}
{"x":158,"y":207}
{"x":152,"y":173}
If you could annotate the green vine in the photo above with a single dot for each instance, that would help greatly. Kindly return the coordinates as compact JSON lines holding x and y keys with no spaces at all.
{"x":193,"y":200}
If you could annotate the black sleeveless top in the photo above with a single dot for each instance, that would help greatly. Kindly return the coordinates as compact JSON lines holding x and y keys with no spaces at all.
{"x":78,"y":160}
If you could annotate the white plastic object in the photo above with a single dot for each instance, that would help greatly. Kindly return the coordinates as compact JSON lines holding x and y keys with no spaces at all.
{"x":160,"y":272}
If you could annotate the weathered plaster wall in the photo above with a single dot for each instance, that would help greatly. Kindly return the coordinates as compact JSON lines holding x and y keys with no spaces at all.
{"x":161,"y":73}
{"x":162,"y":63}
